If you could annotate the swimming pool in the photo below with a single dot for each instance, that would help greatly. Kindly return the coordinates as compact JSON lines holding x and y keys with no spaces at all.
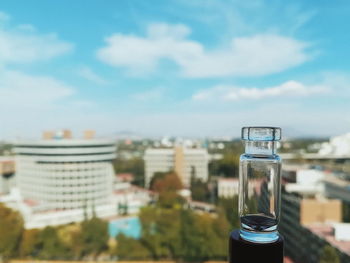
{"x":129,"y":226}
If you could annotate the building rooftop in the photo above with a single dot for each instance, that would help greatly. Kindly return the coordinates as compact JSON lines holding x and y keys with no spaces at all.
{"x":63,"y":142}
{"x":337,"y":181}
{"x":6,"y":159}
{"x":326,"y":231}
{"x":172,"y":150}
{"x":228,"y":179}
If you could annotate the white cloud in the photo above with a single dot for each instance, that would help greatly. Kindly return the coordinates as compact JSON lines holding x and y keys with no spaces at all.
{"x":23,"y":46}
{"x":21,"y":91}
{"x":27,"y":27}
{"x":89,"y":74}
{"x":287,"y":89}
{"x":149,"y":95}
{"x":32,"y":100}
{"x":245,"y":56}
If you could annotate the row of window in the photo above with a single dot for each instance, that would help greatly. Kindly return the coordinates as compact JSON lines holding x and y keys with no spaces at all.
{"x":49,"y":196}
{"x":19,"y":146}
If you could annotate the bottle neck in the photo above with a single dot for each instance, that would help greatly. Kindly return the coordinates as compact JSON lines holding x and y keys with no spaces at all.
{"x":265,"y":148}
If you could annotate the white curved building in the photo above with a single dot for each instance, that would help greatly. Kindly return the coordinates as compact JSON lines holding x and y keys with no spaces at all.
{"x":66,"y":173}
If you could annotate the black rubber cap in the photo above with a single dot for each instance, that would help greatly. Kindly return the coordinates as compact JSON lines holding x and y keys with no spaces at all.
{"x":241,"y":251}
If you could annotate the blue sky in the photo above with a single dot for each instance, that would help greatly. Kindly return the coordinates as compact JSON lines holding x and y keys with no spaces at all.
{"x":183,"y":68}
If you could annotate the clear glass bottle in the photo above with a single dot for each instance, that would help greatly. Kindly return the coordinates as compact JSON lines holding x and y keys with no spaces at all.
{"x":260,"y":184}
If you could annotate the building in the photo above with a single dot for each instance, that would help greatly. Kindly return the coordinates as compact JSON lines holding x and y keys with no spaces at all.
{"x":338,"y":146}
{"x":186,"y":162}
{"x":63,"y":180}
{"x":308,"y":182}
{"x":301,"y":243}
{"x":7,"y":172}
{"x":128,"y":199}
{"x":337,"y":188}
{"x":320,"y":211}
{"x":337,"y":235}
{"x":63,"y":173}
{"x":337,"y":149}
{"x":229,"y":187}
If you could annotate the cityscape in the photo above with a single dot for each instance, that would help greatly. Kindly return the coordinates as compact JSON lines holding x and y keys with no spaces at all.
{"x":122,"y":130}
{"x":60,"y":182}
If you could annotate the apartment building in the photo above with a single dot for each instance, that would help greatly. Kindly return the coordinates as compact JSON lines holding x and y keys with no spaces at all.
{"x":186,"y":162}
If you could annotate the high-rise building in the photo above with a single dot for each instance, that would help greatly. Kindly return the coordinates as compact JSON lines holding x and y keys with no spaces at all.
{"x":63,"y":173}
{"x":186,"y":162}
{"x":298,"y":218}
{"x":229,"y":187}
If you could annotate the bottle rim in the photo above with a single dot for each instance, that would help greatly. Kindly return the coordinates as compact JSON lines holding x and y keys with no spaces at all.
{"x":261,"y":133}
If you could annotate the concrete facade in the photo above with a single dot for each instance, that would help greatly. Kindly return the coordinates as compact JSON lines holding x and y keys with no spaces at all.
{"x":65,"y":173}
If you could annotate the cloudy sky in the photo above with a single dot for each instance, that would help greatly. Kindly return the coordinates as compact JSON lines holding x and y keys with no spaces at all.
{"x":187,"y":68}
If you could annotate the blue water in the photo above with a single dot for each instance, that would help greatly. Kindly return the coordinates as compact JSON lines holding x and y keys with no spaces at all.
{"x":128,"y":226}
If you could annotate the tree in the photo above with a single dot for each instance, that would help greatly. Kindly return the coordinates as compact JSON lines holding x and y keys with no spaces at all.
{"x":228,"y":165}
{"x":329,"y":255}
{"x":131,"y":249}
{"x":229,"y":208}
{"x":199,"y":190}
{"x":134,"y":166}
{"x":200,"y":242}
{"x":11,"y":229}
{"x":50,"y":246}
{"x":29,"y":246}
{"x":93,"y":237}
{"x":181,"y":234}
{"x":167,"y":186}
{"x":68,"y":235}
{"x":157,"y":176}
{"x":189,"y":234}
{"x":200,"y":239}
{"x":168,"y":182}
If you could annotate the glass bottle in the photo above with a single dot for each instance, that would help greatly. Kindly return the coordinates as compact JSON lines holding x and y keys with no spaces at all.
{"x":260,"y":185}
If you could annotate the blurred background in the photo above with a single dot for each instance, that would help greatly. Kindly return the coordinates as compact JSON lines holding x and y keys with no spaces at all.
{"x":120,"y":126}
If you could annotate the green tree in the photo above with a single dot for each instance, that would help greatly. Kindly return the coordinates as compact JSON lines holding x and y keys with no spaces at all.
{"x":30,"y":242}
{"x":93,"y":237}
{"x":167,"y":186}
{"x":134,"y":166}
{"x":167,"y":226}
{"x":131,"y":249}
{"x":189,"y":236}
{"x":201,"y":237}
{"x":199,"y":190}
{"x":229,"y":207}
{"x":329,"y":255}
{"x":5,"y":148}
{"x":68,"y":235}
{"x":50,"y":246}
{"x":200,"y":241}
{"x":149,"y":233}
{"x":11,"y":231}
{"x":181,"y":234}
{"x":77,"y":245}
{"x":228,"y":165}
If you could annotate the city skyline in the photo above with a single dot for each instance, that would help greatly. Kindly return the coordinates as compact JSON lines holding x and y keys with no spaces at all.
{"x":203,"y":68}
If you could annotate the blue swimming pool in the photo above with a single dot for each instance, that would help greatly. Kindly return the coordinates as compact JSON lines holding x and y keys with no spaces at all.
{"x":129,"y":226}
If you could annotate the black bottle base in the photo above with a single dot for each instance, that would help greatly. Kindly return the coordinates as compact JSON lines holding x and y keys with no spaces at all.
{"x":241,"y":251}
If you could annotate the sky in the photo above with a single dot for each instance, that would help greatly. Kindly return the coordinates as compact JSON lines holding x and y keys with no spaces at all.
{"x":174,"y":68}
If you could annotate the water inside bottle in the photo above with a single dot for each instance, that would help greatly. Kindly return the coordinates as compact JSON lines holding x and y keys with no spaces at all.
{"x":259,"y":223}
